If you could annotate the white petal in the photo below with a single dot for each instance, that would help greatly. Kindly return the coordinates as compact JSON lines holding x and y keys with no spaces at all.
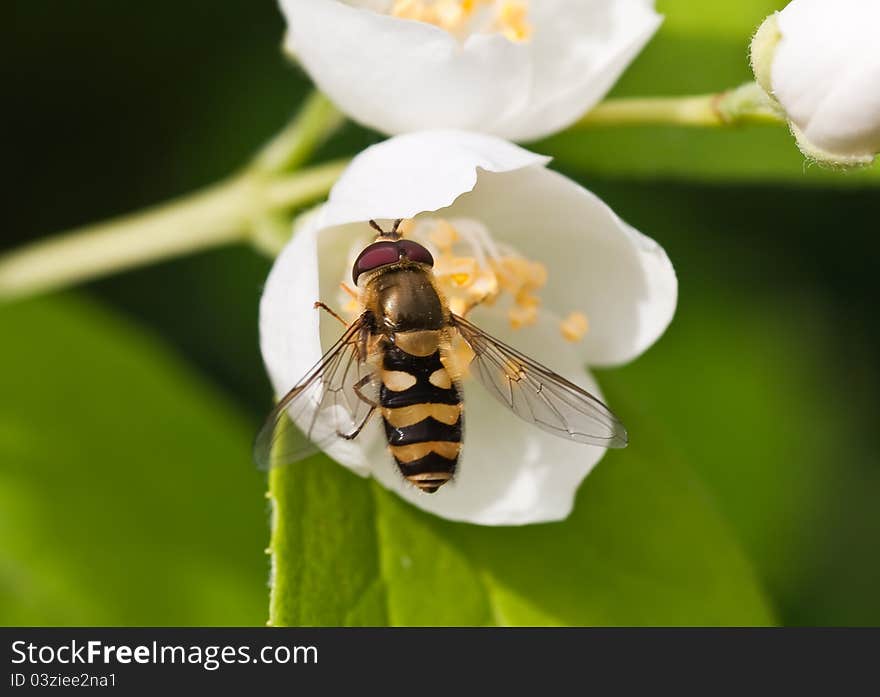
{"x":528,"y":476}
{"x":826,"y":72}
{"x":400,"y":76}
{"x":289,"y":324}
{"x":579,"y":50}
{"x":418,"y":172}
{"x":622,"y":280}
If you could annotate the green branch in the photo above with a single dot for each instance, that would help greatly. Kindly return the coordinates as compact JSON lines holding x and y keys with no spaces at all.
{"x":222,"y":214}
{"x":745,"y":104}
{"x":317,"y":120}
{"x":254,"y":205}
{"x":251,"y":206}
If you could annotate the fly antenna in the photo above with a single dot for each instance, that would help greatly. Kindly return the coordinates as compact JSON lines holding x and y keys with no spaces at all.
{"x":393,"y":233}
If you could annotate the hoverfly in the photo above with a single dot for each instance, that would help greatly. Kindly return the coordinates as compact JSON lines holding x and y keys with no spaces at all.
{"x":396,"y":359}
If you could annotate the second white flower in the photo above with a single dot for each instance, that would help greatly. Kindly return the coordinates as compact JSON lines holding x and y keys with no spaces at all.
{"x":513,"y":68}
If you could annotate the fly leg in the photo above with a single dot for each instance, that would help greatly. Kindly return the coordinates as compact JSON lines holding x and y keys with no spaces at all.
{"x":321,"y":306}
{"x":373,"y":406}
{"x":357,"y":390}
{"x":354,"y":434}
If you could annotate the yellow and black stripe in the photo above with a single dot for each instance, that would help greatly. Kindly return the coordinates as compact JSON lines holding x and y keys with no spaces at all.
{"x":422,"y":409}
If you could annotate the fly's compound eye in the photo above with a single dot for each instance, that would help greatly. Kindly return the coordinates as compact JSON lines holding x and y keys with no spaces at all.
{"x":415,"y":252}
{"x":375,"y":255}
{"x":384,"y":253}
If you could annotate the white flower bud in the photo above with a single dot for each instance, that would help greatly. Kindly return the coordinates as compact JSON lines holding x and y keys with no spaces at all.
{"x":821,"y":61}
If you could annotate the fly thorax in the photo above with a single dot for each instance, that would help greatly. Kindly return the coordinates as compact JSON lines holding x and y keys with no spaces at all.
{"x":406,"y":300}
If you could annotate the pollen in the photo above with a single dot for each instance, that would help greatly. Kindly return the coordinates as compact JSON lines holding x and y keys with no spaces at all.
{"x":522,"y":316}
{"x":458,"y":306}
{"x":574,"y":327}
{"x":349,"y":302}
{"x":460,"y":271}
{"x":352,"y":308}
{"x":461,"y":18}
{"x":472,"y":269}
{"x":443,"y":235}
{"x":406,"y":227}
{"x":513,"y":20}
{"x":518,"y":275}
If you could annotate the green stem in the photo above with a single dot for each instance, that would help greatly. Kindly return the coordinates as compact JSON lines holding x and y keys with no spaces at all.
{"x":317,"y":120}
{"x":220,"y":215}
{"x":247,"y":206}
{"x":745,"y":104}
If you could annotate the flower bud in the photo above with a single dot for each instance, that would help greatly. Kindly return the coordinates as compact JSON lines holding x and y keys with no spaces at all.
{"x":821,"y":61}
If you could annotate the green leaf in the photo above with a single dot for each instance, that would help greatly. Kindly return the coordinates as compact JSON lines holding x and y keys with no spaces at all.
{"x":643,"y":546}
{"x":126,"y":494}
{"x":759,"y":411}
{"x":766,"y":380}
{"x":702,"y":47}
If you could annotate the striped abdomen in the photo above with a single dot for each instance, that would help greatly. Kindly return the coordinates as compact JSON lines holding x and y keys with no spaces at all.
{"x":422,"y":409}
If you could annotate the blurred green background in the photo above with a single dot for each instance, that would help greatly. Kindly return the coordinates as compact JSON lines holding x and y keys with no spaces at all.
{"x":127,"y":406}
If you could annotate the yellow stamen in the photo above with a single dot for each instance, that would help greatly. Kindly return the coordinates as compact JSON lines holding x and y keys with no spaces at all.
{"x":444,"y":236}
{"x":351,"y":309}
{"x":574,"y":327}
{"x":458,"y":306}
{"x":484,"y":289}
{"x":459,"y":270}
{"x":522,"y":316}
{"x":526,"y":299}
{"x":449,"y":14}
{"x":349,"y":302}
{"x":406,"y":227}
{"x":472,"y":269}
{"x":464,"y":17}
{"x":516,"y":275}
{"x":513,"y":20}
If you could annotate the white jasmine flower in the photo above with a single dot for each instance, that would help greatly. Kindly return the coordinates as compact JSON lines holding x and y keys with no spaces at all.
{"x":821,"y":61}
{"x":559,"y":276}
{"x":520,"y":69}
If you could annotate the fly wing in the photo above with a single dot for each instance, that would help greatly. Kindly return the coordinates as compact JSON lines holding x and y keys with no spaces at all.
{"x":334,"y":400}
{"x":538,"y":395}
